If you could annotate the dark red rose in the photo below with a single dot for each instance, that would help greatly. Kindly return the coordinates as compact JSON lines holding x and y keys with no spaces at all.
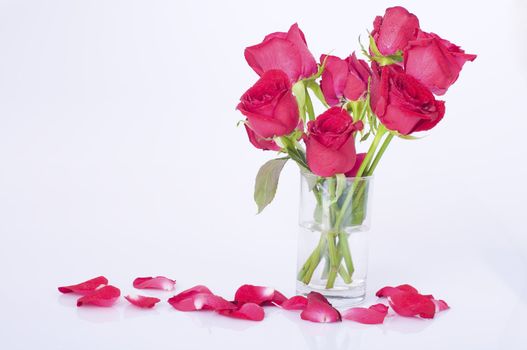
{"x":394,"y":30}
{"x":284,"y":51}
{"x":346,"y":78}
{"x":435,"y":62}
{"x":260,"y":142}
{"x":270,"y":106}
{"x":401,"y":102}
{"x":330,"y":145}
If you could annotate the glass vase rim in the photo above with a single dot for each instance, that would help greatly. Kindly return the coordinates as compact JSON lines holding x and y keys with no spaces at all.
{"x":312,"y":175}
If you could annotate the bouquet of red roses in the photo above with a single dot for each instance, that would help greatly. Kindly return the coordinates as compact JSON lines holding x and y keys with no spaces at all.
{"x":392,"y":93}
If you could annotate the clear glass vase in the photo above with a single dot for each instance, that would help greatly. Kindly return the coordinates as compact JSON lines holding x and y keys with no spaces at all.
{"x":333,"y":237}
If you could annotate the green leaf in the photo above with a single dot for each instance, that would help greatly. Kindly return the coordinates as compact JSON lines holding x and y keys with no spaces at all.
{"x":406,"y":137}
{"x":267,"y":182}
{"x":299,"y":90}
{"x":365,"y":136}
{"x":317,"y":91}
{"x":309,"y":107}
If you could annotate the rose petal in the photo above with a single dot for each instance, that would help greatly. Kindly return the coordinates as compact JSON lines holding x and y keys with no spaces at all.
{"x":104,"y":296}
{"x":85,"y":287}
{"x":158,"y":282}
{"x":375,"y":314}
{"x":441,"y":305}
{"x":387,"y":291}
{"x":258,"y":295}
{"x":248,"y":311}
{"x":142,"y":301}
{"x":199,"y":298}
{"x":412,"y":304}
{"x":278,"y":298}
{"x":298,"y":302}
{"x":319,"y":309}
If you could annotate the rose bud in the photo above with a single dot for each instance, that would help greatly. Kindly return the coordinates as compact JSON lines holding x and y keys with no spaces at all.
{"x":401,"y":102}
{"x":344,"y":79}
{"x":270,"y":106}
{"x":435,"y":62}
{"x":330,"y":146}
{"x":284,"y":51}
{"x":393,"y":31}
{"x":260,"y":142}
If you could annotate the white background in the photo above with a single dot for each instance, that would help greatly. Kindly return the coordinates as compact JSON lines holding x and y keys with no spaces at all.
{"x":119,"y":155}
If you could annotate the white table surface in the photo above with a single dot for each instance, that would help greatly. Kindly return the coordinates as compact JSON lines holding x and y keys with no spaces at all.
{"x":119,"y":156}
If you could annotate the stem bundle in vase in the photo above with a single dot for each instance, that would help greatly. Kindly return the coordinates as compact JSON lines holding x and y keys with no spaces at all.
{"x":391,"y":93}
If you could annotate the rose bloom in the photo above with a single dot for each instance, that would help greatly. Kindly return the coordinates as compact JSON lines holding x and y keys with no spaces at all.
{"x":435,"y":62}
{"x":401,"y":102}
{"x":269,"y":105}
{"x":344,"y":78}
{"x":394,"y":30}
{"x":260,"y":142}
{"x":330,"y":146}
{"x":285,"y":51}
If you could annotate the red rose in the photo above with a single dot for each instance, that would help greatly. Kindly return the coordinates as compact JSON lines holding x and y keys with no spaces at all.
{"x":344,"y":78}
{"x":270,"y":106}
{"x":358,"y":162}
{"x":284,"y":51}
{"x":402,"y":103}
{"x":260,"y":142}
{"x":330,"y":146}
{"x":435,"y":62}
{"x":393,"y":31}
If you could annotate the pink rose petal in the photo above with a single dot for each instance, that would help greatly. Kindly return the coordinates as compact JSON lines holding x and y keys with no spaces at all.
{"x":104,"y":296}
{"x":248,"y":311}
{"x":278,"y":298}
{"x":441,"y":305}
{"x":258,"y":295}
{"x":159,"y":282}
{"x":375,"y":314}
{"x":86,"y":287}
{"x":199,"y":298}
{"x":298,"y":302}
{"x":319,"y":309}
{"x":142,"y":301}
{"x":412,"y":304}
{"x":387,"y":291}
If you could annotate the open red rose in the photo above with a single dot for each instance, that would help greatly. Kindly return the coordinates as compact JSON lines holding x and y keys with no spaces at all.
{"x":260,"y":142}
{"x":394,"y":30}
{"x":270,"y":106}
{"x":330,"y":147}
{"x":346,"y":78}
{"x":435,"y":62}
{"x":285,"y":51}
{"x":402,"y":103}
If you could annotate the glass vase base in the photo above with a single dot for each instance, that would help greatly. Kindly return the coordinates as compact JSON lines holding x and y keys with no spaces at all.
{"x":338,"y":296}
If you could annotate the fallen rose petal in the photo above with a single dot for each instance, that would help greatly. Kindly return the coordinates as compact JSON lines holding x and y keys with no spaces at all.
{"x":298,"y":302}
{"x":199,"y":298}
{"x":278,"y":298}
{"x":159,"y":282}
{"x":257,"y":294}
{"x":375,"y":314}
{"x":387,"y":291}
{"x":142,"y":301}
{"x":319,"y":309}
{"x":441,"y":305}
{"x":104,"y":296}
{"x":248,"y":311}
{"x":85,"y":287}
{"x":412,"y":304}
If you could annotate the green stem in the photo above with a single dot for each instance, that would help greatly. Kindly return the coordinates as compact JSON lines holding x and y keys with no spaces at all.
{"x":378,"y":157}
{"x":362,"y":168}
